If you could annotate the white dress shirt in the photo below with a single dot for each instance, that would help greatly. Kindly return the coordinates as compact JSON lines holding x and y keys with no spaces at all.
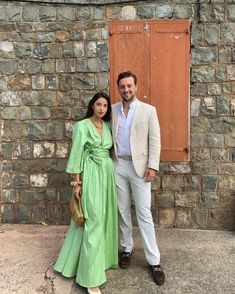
{"x":124,"y":130}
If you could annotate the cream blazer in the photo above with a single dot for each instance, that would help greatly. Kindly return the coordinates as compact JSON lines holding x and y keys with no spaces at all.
{"x":144,"y":139}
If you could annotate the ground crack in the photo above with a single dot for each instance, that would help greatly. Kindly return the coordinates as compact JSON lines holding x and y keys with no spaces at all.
{"x":49,"y":281}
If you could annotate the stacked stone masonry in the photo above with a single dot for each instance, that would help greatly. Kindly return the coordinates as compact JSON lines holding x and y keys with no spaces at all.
{"x":54,"y":57}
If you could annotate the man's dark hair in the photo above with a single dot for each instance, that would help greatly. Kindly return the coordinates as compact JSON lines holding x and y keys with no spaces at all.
{"x":126,"y":74}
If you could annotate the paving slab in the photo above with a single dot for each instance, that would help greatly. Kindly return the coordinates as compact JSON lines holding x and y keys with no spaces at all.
{"x":194,"y":261}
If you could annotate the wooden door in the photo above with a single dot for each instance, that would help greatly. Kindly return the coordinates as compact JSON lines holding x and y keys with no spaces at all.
{"x":158,"y":53}
{"x":169,"y":91}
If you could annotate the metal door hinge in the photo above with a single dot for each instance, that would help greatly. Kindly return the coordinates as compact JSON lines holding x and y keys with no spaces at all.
{"x":146,"y":26}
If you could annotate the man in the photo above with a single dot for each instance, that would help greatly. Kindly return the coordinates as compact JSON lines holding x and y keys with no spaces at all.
{"x":136,"y":155}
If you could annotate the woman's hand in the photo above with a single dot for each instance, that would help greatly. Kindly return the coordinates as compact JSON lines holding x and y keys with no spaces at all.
{"x":77,"y":191}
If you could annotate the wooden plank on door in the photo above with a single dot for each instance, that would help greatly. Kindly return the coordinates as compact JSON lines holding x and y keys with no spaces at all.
{"x":169,"y":70}
{"x":128,"y":50}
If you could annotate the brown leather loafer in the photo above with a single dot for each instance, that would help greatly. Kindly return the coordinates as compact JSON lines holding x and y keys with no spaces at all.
{"x":158,"y":274}
{"x":125,"y":259}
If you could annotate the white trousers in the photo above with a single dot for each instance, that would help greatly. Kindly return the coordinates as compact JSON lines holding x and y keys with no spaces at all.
{"x":128,"y":181}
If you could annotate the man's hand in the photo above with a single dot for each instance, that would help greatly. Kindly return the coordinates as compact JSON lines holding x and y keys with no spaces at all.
{"x":149,"y":174}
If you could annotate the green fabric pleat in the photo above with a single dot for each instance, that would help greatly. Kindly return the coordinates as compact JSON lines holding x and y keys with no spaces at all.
{"x":87,"y":252}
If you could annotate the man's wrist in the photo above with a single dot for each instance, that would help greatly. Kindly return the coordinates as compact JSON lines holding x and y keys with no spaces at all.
{"x":153,"y":169}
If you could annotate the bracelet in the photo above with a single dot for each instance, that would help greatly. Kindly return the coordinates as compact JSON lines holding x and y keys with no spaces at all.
{"x":75,"y":184}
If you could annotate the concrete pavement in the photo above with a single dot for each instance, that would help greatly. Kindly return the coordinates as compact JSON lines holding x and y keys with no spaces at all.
{"x":194,"y":261}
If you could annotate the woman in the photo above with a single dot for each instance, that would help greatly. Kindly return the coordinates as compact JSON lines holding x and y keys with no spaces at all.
{"x":88,"y":251}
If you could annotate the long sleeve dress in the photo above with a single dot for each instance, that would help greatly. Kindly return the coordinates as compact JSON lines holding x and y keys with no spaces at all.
{"x":88,"y":251}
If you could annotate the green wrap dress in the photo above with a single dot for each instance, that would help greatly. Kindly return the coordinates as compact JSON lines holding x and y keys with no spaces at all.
{"x":88,"y":251}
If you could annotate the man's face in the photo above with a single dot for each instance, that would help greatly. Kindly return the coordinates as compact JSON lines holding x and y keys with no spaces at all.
{"x":127,"y":89}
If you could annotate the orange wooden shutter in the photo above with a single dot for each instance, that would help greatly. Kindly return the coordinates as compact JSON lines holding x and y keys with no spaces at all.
{"x":128,"y":49}
{"x":169,"y":71}
{"x":158,"y":53}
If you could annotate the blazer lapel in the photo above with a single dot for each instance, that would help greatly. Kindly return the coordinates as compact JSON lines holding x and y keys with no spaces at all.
{"x":115,"y":116}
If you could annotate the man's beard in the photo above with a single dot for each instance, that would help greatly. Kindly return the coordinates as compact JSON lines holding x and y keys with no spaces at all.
{"x":128,"y":99}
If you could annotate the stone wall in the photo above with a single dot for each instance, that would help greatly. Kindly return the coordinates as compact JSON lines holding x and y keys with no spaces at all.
{"x":54,"y":56}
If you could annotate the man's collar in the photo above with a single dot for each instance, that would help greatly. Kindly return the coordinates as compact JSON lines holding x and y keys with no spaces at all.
{"x":132,"y":105}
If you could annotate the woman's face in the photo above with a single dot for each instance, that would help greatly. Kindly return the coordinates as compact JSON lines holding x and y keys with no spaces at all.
{"x":100,"y":107}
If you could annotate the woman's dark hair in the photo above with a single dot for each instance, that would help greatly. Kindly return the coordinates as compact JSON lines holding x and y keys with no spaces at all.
{"x":126,"y":74}
{"x":90,"y":110}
